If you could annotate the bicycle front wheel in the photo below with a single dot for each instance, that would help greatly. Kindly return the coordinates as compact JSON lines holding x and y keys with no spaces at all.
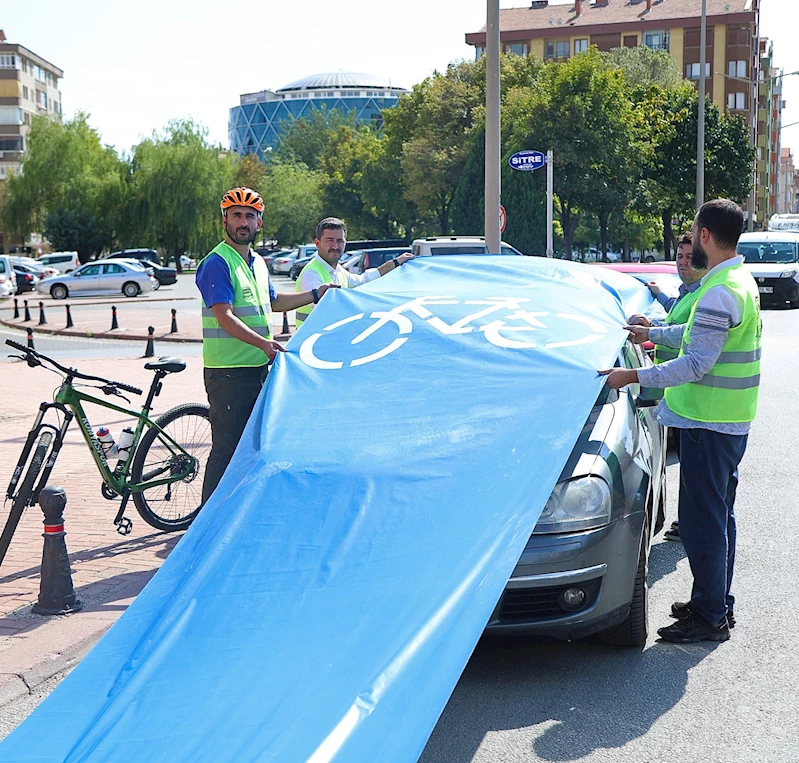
{"x":25,"y":493}
{"x":173,"y":506}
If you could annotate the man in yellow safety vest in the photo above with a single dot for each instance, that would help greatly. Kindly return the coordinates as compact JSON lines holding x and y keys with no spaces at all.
{"x":711,"y":396}
{"x":238,"y":300}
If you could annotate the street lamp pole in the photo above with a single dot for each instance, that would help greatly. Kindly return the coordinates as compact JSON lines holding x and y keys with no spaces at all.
{"x":700,"y":125}
{"x":492,"y":174}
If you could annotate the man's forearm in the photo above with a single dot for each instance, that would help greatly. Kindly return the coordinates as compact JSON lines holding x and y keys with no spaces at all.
{"x":667,"y":336}
{"x":291,"y":301}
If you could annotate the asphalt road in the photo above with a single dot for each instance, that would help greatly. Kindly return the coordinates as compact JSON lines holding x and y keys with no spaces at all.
{"x":526,"y":701}
{"x":735,"y":702}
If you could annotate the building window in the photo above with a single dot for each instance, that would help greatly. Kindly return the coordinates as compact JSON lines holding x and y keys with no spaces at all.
{"x":657,"y":40}
{"x":736,"y":101}
{"x":479,"y":51}
{"x":25,"y":92}
{"x":692,"y":70}
{"x":580,"y":46}
{"x":8,"y":61}
{"x":517,"y":48}
{"x":737,"y":69}
{"x":556,"y":49}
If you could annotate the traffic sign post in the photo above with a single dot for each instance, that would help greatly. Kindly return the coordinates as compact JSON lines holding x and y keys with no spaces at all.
{"x":527,"y":161}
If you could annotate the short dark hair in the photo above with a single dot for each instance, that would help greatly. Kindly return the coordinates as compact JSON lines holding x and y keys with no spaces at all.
{"x":330,"y":223}
{"x":684,"y":239}
{"x":724,"y":219}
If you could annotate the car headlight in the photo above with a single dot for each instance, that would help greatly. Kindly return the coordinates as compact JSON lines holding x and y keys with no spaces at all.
{"x":579,"y":504}
{"x":790,"y":273}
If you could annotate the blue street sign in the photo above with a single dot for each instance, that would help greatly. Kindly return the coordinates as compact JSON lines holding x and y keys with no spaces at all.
{"x":527,"y":160}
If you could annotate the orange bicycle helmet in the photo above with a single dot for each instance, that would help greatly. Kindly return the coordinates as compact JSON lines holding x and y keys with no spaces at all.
{"x":242,"y":197}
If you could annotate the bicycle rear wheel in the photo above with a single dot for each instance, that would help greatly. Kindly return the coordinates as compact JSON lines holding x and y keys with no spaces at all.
{"x":25,"y":493}
{"x":175,"y":505}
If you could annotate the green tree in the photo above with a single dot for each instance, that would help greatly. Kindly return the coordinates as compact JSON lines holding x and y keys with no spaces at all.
{"x":249,"y":173}
{"x":67,"y":169}
{"x":643,"y":66}
{"x":293,"y":198}
{"x":177,"y":180}
{"x":74,"y":231}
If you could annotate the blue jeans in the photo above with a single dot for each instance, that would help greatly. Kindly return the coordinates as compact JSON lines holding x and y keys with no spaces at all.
{"x":708,"y":481}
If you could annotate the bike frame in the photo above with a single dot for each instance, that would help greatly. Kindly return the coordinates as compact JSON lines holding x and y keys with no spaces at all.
{"x":68,"y":401}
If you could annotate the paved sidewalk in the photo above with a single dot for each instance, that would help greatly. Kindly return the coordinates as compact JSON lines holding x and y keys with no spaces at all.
{"x":108,"y":570}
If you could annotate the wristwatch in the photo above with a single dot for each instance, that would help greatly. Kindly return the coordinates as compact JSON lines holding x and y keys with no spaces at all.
{"x":396,"y":262}
{"x":315,"y":294}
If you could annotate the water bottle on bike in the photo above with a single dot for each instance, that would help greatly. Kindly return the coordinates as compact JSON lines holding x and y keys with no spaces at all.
{"x":106,"y":440}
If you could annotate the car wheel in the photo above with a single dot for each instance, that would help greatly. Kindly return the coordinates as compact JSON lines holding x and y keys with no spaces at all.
{"x":649,"y":258}
{"x":59,"y":291}
{"x":156,"y":285}
{"x":793,"y":303}
{"x":131,"y":289}
{"x":634,"y":630}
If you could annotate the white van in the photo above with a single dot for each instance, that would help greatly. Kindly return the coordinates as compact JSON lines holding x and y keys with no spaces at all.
{"x":63,"y":262}
{"x":432,"y":245}
{"x":772,"y":257}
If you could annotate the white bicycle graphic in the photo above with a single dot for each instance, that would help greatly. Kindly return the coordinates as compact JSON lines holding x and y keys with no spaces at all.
{"x":515,"y":330}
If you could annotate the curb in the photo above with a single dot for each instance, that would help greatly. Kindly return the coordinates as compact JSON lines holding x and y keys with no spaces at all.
{"x":100,"y":334}
{"x":61,"y":303}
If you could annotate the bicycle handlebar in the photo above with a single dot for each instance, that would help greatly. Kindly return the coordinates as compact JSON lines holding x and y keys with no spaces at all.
{"x":31,"y":353}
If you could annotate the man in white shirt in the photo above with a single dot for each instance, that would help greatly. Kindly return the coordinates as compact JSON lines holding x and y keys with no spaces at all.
{"x":324,"y":268}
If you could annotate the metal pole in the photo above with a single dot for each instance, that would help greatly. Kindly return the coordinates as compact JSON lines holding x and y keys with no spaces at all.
{"x":550,"y":182}
{"x":700,"y":126}
{"x":492,"y":176}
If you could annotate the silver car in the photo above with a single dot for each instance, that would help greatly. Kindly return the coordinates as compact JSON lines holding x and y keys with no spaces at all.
{"x":102,"y":277}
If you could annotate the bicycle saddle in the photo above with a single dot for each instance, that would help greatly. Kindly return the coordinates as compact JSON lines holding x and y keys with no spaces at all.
{"x":168,"y":364}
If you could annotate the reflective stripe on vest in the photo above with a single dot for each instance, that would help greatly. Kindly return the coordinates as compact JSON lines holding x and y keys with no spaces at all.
{"x":728,"y":392}
{"x":319,"y":268}
{"x":251,"y":305}
{"x":679,"y":313}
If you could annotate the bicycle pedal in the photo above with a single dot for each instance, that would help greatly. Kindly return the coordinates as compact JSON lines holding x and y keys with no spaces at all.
{"x":124,"y":526}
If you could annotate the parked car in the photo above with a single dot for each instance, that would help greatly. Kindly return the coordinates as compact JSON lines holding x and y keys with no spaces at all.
{"x":584,"y":569}
{"x":373,"y":258}
{"x":772,"y":257}
{"x":281,"y":265}
{"x":34,"y":266}
{"x":432,"y":245}
{"x":26,"y":280}
{"x":129,"y":277}
{"x":164,"y":276}
{"x":63,"y":262}
{"x":8,"y":279}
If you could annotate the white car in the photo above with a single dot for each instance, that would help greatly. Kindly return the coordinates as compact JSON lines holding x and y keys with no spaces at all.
{"x":8,"y":279}
{"x":281,"y":266}
{"x":128,"y":277}
{"x":772,"y":257}
{"x":433,"y":245}
{"x":63,"y":262}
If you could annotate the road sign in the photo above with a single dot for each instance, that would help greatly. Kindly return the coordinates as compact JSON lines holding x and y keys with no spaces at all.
{"x":525,"y":161}
{"x":503,"y":218}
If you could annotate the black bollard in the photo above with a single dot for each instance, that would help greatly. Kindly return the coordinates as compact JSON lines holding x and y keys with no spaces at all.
{"x":285,"y":323}
{"x":114,"y":323}
{"x":70,"y":324}
{"x":174,"y":328}
{"x":56,"y":593}
{"x":150,"y":350}
{"x":42,"y":319}
{"x":30,"y":338}
{"x":16,"y":308}
{"x":27,"y":311}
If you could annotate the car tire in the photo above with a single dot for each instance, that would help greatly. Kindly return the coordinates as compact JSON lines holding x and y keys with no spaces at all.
{"x":156,"y":285}
{"x":131,"y":289}
{"x":634,"y":630}
{"x":649,"y":258}
{"x":59,"y":291}
{"x":793,"y":304}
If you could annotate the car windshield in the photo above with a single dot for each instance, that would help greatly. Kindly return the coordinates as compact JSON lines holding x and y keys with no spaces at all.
{"x":459,"y":249}
{"x":774,"y":252}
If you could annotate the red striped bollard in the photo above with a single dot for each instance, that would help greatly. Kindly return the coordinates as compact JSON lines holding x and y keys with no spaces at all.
{"x":30,"y":338}
{"x":285,"y":323}
{"x":174,"y":328}
{"x":149,"y":351}
{"x":70,"y":324}
{"x":42,"y":319}
{"x":16,"y":308}
{"x":27,"y":311}
{"x":114,"y":323}
{"x":56,"y":592}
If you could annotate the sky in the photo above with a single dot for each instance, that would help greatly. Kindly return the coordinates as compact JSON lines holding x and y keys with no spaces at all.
{"x":135,"y":66}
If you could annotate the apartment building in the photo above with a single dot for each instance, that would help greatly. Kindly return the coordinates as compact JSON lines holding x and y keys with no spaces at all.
{"x":28,"y":87}
{"x":734,"y":80}
{"x":788,"y":200}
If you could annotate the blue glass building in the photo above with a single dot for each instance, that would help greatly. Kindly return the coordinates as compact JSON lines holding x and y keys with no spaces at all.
{"x":257,"y":124}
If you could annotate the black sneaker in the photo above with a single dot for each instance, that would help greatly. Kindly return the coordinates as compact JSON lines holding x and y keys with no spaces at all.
{"x":673,"y":533}
{"x":692,"y":629}
{"x":681,"y":610}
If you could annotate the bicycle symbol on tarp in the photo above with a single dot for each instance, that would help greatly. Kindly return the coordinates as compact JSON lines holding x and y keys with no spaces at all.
{"x":513,"y":327}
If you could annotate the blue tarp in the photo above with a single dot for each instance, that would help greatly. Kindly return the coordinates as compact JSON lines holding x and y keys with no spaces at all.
{"x":325,"y":602}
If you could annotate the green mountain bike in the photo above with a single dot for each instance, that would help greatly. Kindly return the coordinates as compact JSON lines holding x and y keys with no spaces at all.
{"x":162,"y":468}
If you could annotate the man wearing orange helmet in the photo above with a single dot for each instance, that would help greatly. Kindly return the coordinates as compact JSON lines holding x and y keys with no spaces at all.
{"x":238,"y":300}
